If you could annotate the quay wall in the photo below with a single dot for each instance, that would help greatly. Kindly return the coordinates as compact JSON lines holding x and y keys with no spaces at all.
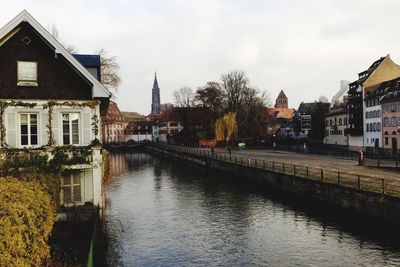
{"x":378,"y":206}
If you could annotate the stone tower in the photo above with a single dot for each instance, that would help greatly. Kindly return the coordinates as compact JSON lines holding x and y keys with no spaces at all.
{"x":155,"y":97}
{"x":281,"y":100}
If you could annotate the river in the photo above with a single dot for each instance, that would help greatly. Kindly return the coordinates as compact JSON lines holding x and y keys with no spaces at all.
{"x":165,"y":213}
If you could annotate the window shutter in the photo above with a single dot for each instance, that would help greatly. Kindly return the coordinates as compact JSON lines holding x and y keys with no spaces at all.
{"x":11,"y":131}
{"x":86,"y":127}
{"x":55,"y":126}
{"x":43,"y":130}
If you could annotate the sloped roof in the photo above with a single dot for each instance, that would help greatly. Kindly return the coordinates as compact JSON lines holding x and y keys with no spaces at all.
{"x":192,"y":114}
{"x":280,"y":113}
{"x":388,"y":90}
{"x":113,"y":114}
{"x":88,"y":60}
{"x":282,"y":95}
{"x":98,"y":89}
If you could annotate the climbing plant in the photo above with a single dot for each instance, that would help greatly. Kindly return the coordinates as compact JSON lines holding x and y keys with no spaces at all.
{"x":3,"y":106}
{"x":50,"y":105}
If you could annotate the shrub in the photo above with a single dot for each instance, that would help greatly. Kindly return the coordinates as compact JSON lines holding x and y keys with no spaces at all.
{"x":26,"y":221}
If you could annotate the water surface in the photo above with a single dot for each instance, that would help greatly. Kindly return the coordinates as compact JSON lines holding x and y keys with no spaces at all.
{"x":162,"y":213}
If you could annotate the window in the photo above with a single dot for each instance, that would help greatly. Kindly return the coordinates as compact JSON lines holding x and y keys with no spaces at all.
{"x":340,"y":121}
{"x":385,"y":108}
{"x":29,"y":129}
{"x":393,"y":107}
{"x":27,"y":73}
{"x":378,"y":125}
{"x":378,"y":113}
{"x":345,"y":121}
{"x":386,"y":140}
{"x":367,"y":115}
{"x":385,"y":121}
{"x":394,"y":121}
{"x":367,"y":127}
{"x":70,"y":128}
{"x":71,"y":188}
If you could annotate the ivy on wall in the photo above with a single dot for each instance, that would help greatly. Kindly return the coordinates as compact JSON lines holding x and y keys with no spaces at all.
{"x":52,"y":164}
{"x":50,"y":107}
{"x":51,"y":104}
{"x":3,"y":106}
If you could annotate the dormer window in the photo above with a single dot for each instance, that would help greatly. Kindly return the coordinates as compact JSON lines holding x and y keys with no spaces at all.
{"x":27,"y":73}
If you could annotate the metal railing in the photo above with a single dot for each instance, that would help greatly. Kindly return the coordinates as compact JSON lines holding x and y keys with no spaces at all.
{"x":358,"y":181}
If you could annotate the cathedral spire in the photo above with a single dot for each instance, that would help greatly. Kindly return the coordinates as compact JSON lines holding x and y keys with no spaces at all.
{"x":155,"y":102}
{"x":155,"y":83}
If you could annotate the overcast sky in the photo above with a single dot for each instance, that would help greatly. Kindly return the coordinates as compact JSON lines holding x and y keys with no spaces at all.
{"x":303,"y":47}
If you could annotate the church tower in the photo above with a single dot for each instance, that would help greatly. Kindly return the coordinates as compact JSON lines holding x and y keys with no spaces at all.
{"x":281,"y":100}
{"x":155,"y":97}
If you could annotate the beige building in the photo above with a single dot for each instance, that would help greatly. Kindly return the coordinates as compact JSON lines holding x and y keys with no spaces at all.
{"x":335,"y":123}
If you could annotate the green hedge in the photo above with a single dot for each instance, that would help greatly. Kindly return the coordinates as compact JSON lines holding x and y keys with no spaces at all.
{"x":26,"y":221}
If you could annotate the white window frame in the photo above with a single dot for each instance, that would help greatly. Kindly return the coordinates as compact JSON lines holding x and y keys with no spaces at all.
{"x":71,"y":186}
{"x":21,"y":81}
{"x":29,"y":129}
{"x":70,"y":128}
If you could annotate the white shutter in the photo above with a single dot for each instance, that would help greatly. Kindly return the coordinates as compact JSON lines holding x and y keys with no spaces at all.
{"x":86,"y":127}
{"x":55,"y":124}
{"x":43,"y":128}
{"x":11,"y":129}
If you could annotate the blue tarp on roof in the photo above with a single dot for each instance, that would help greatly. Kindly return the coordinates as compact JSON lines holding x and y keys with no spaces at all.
{"x":88,"y":60}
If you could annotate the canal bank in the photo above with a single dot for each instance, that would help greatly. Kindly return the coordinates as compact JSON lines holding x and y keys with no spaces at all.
{"x":363,"y":195}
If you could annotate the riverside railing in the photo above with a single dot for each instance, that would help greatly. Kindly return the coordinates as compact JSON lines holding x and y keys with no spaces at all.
{"x":358,"y":181}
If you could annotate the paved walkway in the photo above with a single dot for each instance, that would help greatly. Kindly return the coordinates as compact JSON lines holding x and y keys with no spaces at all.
{"x":315,"y":161}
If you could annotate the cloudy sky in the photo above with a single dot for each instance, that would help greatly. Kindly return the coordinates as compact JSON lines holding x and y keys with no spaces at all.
{"x":304,"y":47}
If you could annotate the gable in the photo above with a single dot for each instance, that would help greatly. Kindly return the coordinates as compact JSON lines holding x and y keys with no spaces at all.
{"x":98,"y":90}
{"x":387,"y":70}
{"x":56,"y":78}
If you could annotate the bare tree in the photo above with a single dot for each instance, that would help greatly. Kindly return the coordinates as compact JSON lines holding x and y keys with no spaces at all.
{"x":109,"y":70}
{"x":210,"y":96}
{"x":184,"y":97}
{"x":234,"y":83}
{"x":253,"y":117}
{"x":52,"y":29}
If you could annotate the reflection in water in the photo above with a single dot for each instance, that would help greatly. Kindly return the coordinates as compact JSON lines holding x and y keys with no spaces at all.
{"x":118,"y":164}
{"x":167,"y":214}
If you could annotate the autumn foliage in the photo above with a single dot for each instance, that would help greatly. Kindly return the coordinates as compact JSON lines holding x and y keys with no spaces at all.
{"x":226,"y":126}
{"x":26,"y":221}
